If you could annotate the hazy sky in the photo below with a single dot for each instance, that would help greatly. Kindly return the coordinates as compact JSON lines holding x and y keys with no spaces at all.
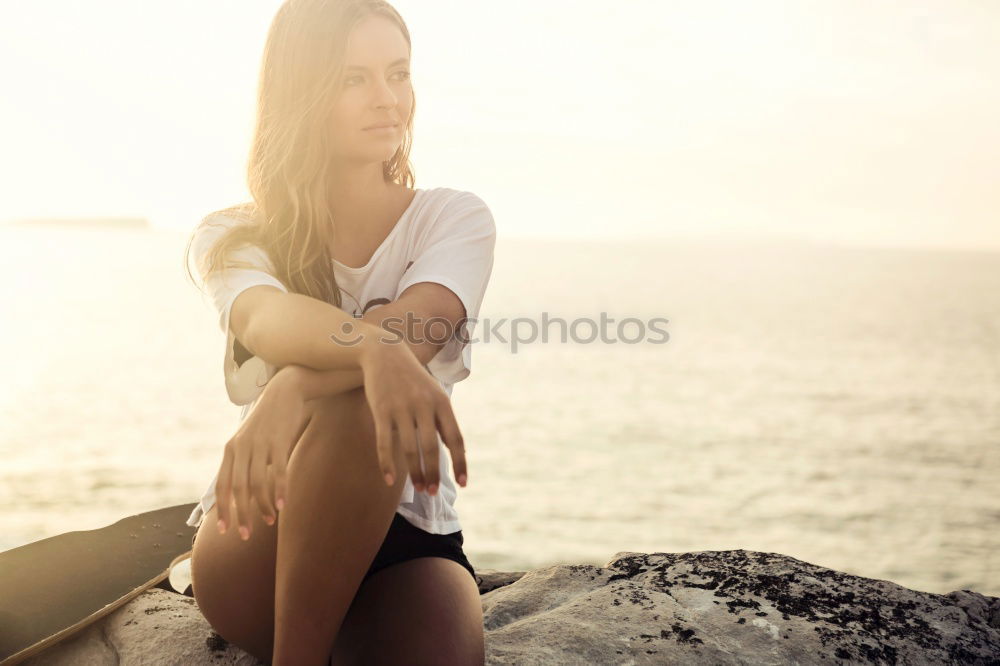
{"x":849,"y":121}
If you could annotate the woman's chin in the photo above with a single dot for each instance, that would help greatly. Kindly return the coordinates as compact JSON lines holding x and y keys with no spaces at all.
{"x":363,"y":157}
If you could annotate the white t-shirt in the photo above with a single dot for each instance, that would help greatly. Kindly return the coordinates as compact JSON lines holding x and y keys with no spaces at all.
{"x":445,"y":236}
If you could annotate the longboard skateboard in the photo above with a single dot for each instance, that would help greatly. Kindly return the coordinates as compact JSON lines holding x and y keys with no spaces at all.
{"x":52,"y":588}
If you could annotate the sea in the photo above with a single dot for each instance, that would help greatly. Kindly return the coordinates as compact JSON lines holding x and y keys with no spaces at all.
{"x":837,"y":404}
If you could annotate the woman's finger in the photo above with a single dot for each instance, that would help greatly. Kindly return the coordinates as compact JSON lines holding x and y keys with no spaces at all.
{"x":241,"y":489}
{"x":224,"y":486}
{"x":427,"y":436}
{"x":279,"y":467}
{"x":406,"y":430}
{"x":259,"y":487}
{"x":452,"y":436}
{"x":383,"y":446}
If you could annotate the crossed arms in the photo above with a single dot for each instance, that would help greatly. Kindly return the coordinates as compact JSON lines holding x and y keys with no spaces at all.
{"x":293,"y":332}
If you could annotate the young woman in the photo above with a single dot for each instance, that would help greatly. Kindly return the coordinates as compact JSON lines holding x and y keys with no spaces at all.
{"x":329,"y":533}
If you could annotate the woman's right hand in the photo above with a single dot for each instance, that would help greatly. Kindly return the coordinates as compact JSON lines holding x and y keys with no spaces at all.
{"x":266,"y":436}
{"x":405,"y":398}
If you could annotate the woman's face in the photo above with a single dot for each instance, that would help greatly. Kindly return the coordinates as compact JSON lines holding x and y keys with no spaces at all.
{"x":374,"y":90}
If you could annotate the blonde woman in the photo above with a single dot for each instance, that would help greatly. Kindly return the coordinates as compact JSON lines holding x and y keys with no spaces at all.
{"x":329,"y":533}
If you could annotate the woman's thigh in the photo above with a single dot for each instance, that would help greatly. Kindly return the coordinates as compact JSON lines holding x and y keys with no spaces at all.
{"x":425,"y":610}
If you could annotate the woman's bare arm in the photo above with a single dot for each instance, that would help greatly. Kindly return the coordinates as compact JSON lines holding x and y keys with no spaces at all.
{"x":314,"y":384}
{"x":423,"y":300}
{"x":288,"y":328}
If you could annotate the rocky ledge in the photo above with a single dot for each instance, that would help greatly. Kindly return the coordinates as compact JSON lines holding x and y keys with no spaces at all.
{"x":709,"y":607}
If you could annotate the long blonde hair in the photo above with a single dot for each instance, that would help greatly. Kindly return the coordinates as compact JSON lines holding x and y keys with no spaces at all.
{"x":289,"y":216}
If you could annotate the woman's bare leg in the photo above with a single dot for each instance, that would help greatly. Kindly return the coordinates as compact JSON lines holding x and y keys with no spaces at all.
{"x":337,"y":512}
{"x":429,"y":605}
{"x":234,"y":580}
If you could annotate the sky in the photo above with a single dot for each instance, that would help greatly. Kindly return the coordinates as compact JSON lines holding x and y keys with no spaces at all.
{"x":846,"y":121}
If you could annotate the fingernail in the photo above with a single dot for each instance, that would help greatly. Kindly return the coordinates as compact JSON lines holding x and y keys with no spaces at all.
{"x":244,"y":532}
{"x":222,"y":526}
{"x":269,"y":520}
{"x":432,"y":489}
{"x":388,"y":478}
{"x":462,"y":479}
{"x":281,"y":503}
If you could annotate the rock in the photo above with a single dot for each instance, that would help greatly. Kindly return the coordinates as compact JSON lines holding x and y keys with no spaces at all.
{"x":157,"y":627}
{"x":708,"y":607}
{"x":732,"y":607}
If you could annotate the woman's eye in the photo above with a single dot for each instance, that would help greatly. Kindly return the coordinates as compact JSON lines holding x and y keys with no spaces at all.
{"x":352,"y":80}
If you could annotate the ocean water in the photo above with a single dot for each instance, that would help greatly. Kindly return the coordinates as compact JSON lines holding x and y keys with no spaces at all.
{"x":839,"y":405}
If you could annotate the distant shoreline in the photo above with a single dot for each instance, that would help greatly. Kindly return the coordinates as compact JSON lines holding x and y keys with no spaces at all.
{"x":82,"y":222}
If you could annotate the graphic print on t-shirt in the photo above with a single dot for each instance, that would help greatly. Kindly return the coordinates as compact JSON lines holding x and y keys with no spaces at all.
{"x":372,"y":302}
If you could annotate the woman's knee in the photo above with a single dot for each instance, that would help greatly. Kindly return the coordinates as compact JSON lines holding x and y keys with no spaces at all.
{"x":342,"y":419}
{"x":347,"y":408}
{"x":233,"y":582}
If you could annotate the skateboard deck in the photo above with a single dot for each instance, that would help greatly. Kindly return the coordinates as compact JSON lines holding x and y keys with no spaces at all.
{"x":52,"y":588}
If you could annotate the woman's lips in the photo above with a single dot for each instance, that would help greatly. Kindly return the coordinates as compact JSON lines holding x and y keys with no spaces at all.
{"x":380,"y":128}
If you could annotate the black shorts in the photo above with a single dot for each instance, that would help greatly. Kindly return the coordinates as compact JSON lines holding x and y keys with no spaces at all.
{"x":405,"y":541}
